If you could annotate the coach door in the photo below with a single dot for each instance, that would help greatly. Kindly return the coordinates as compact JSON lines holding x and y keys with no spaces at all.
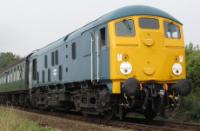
{"x":30,"y":74}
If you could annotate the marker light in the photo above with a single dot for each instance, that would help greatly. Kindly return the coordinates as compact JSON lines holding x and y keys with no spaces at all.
{"x":177,"y":69}
{"x":125,"y":68}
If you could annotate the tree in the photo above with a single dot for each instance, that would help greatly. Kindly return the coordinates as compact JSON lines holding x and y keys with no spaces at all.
{"x":193,"y":64}
{"x":7,"y":59}
{"x":190,"y":105}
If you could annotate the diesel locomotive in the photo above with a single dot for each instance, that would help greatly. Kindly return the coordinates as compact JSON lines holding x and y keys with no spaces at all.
{"x":129,"y":60}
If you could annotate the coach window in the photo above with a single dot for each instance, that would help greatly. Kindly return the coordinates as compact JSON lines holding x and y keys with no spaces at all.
{"x":74,"y":51}
{"x":18,"y":73}
{"x":149,"y":23}
{"x":11,"y":75}
{"x":14,"y":73}
{"x":125,"y":28}
{"x":103,"y":36}
{"x":45,"y":61}
{"x":8,"y":77}
{"x":172,"y":31}
{"x":23,"y":72}
{"x":34,"y":69}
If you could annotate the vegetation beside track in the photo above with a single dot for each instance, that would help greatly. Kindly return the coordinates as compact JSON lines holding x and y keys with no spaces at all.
{"x":59,"y":121}
{"x":12,"y":121}
{"x":190,"y":105}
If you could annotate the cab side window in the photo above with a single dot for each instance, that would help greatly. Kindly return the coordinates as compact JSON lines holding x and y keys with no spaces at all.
{"x":125,"y":28}
{"x":103,"y":36}
{"x":172,"y":31}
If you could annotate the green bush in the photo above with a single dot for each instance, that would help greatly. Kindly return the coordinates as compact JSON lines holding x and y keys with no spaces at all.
{"x":11,"y":121}
{"x":190,"y":105}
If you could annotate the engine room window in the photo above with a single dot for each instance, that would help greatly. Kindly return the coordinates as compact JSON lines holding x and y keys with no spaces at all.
{"x":49,"y":75}
{"x":125,"y":28}
{"x":56,"y":56}
{"x":34,"y":72}
{"x":43,"y":76}
{"x":45,"y":61}
{"x":73,"y":51}
{"x":60,"y":72}
{"x":52,"y":59}
{"x":149,"y":23}
{"x":103,"y":36}
{"x":171,"y":30}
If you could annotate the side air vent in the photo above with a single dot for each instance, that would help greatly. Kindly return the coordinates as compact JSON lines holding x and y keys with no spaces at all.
{"x":66,"y":37}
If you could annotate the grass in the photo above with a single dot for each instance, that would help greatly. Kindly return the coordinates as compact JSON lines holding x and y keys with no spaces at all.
{"x":12,"y":121}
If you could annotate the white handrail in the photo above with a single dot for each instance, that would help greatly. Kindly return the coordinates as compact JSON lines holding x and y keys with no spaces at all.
{"x":91,"y":52}
{"x":97,"y":44}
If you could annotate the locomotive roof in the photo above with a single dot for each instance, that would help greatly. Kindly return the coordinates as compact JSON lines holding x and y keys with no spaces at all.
{"x":136,"y":10}
{"x":119,"y":13}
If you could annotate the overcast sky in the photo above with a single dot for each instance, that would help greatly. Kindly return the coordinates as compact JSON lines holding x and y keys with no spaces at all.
{"x":26,"y":25}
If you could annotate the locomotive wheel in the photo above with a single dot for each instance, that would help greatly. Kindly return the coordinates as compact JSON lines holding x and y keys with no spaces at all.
{"x":85,"y":114}
{"x":170,"y":112}
{"x":121,"y":113}
{"x":109,"y":114}
{"x":150,"y":114}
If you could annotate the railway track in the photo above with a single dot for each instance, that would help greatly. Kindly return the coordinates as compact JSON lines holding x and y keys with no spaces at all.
{"x":130,"y":124}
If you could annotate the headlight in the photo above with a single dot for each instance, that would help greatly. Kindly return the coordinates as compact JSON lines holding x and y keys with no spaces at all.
{"x":177,"y":69}
{"x":125,"y":68}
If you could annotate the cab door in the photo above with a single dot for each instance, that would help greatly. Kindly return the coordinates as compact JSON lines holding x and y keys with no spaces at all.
{"x":98,"y":51}
{"x":95,"y":56}
{"x":30,"y":68}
